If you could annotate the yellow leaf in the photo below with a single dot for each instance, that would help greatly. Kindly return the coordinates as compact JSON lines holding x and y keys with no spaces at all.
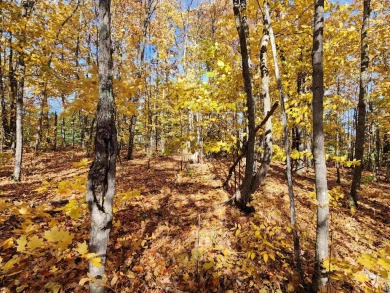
{"x":10,"y":264}
{"x":82,"y":248}
{"x":55,"y":287}
{"x":220,"y":63}
{"x":265,"y":257}
{"x":83,"y":281}
{"x":62,"y":237}
{"x":208,"y":265}
{"x":360,"y":277}
{"x":3,"y":205}
{"x":130,"y":275}
{"x":22,"y":241}
{"x":114,"y":280}
{"x":35,"y":242}
{"x":7,"y":243}
{"x":96,"y":262}
{"x":186,"y":277}
{"x":83,"y":163}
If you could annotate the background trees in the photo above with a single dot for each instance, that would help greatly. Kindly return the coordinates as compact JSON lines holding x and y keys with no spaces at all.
{"x":179,"y":89}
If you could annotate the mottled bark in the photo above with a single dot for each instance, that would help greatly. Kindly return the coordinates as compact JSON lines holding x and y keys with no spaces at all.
{"x":361,"y":118}
{"x":4,"y":118}
{"x":20,"y":70}
{"x":265,"y":97}
{"x":19,"y":120}
{"x":320,"y":277}
{"x":101,"y":177}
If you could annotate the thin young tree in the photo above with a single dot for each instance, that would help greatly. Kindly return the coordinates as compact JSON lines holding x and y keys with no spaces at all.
{"x":361,"y":118}
{"x":20,"y":70}
{"x":286,"y":141}
{"x":320,"y":277}
{"x":101,"y":177}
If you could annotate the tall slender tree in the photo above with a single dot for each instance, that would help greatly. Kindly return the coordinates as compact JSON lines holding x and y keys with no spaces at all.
{"x":286,"y":141}
{"x":320,"y":277}
{"x":361,"y":119}
{"x":101,"y":177}
{"x":242,"y":196}
{"x":20,"y":70}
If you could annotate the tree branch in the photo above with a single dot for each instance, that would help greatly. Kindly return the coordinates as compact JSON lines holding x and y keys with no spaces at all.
{"x":244,"y":148}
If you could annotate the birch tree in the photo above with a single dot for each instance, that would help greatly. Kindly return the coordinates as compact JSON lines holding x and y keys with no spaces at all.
{"x":101,"y":177}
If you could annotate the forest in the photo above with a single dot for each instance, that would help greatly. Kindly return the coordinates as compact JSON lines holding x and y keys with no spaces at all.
{"x":195,"y":146}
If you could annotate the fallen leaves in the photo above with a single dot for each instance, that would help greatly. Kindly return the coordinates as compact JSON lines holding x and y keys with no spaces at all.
{"x":158,"y":239}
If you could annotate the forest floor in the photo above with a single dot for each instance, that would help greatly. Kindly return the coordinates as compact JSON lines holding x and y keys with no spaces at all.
{"x":171,"y":232}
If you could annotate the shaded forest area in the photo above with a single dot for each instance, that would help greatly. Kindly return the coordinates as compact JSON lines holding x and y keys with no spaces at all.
{"x":194,"y":146}
{"x":171,"y":232}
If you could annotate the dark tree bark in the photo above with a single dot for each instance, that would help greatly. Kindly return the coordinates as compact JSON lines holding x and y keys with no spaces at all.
{"x":377,"y":153}
{"x":13,"y":83}
{"x":243,"y":195}
{"x":55,"y":131}
{"x":73,"y":132}
{"x":320,"y":277}
{"x":130,"y":148}
{"x":63,"y":132}
{"x":361,"y":119}
{"x":101,"y":177}
{"x":386,"y":156}
{"x":38,"y":137}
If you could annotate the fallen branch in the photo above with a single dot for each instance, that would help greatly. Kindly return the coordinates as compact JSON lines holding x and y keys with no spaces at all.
{"x":244,"y":148}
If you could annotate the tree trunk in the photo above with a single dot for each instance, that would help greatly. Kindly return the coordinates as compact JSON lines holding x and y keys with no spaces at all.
{"x":267,"y":141}
{"x":40,"y":126}
{"x":130,"y":147}
{"x":320,"y":277}
{"x":63,"y":132}
{"x":19,"y":120}
{"x":286,"y":141}
{"x":83,"y":124}
{"x":21,"y":69}
{"x":101,"y":177}
{"x":55,"y":131}
{"x":13,"y":91}
{"x":298,"y":145}
{"x":243,"y":196}
{"x":73,"y":132}
{"x":377,"y":153}
{"x":361,"y":121}
{"x":386,"y":156}
{"x":4,"y":119}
